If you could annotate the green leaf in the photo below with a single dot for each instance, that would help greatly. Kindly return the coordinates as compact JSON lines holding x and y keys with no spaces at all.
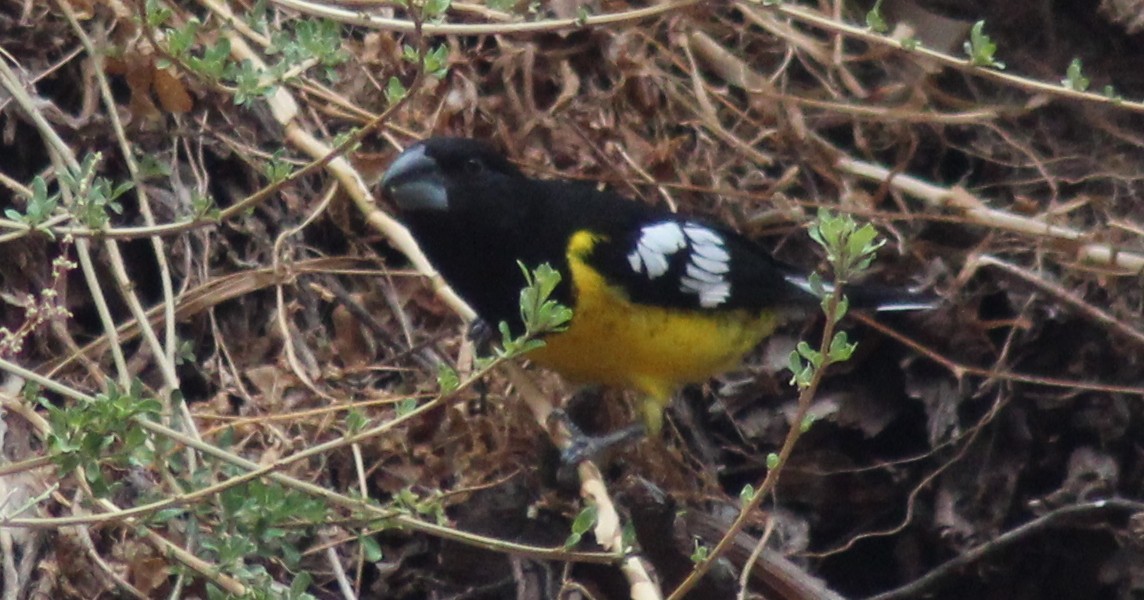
{"x":586,"y":520}
{"x":827,"y":300}
{"x":180,"y":40}
{"x":436,"y":8}
{"x":370,"y":548}
{"x":213,"y":63}
{"x":746,"y":495}
{"x":156,"y":14}
{"x":842,"y":308}
{"x":436,"y":61}
{"x":582,"y":15}
{"x":628,"y":536}
{"x":804,"y":378}
{"x":301,"y":583}
{"x":817,"y":285}
{"x":508,"y":340}
{"x":278,"y":168}
{"x":840,"y":348}
{"x":541,"y":314}
{"x":394,"y":91}
{"x":700,"y":553}
{"x":981,"y":49}
{"x":410,"y":54}
{"x":794,"y":362}
{"x":874,"y":19}
{"x":447,"y":378}
{"x":1074,"y":79}
{"x":168,"y":514}
{"x":582,"y":524}
{"x":406,"y":406}
{"x":814,"y":357}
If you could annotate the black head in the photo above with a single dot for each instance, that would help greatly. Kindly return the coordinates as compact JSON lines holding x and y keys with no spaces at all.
{"x":429,"y":175}
{"x":470,"y":210}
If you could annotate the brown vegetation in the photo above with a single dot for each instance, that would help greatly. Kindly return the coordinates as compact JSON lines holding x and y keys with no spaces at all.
{"x":989,"y":449}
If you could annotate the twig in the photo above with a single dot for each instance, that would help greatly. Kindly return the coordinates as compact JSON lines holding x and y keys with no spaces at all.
{"x":973,"y":209}
{"x":1100,"y":317}
{"x":1054,"y":519}
{"x":362,"y":19}
{"x":805,"y":399}
{"x":817,"y":19}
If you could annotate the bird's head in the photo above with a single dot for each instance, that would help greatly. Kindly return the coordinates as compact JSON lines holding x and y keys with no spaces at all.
{"x":427,"y":177}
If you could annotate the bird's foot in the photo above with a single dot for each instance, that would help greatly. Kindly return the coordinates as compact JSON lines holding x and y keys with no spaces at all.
{"x":584,"y":447}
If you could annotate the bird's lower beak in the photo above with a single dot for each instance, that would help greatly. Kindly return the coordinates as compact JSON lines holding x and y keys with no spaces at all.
{"x":415,"y":182}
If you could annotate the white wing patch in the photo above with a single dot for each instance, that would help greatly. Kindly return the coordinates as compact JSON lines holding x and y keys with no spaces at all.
{"x":708,"y":262}
{"x":656,"y":245}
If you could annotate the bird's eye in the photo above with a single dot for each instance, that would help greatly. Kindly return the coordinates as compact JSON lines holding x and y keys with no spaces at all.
{"x":474,"y":166}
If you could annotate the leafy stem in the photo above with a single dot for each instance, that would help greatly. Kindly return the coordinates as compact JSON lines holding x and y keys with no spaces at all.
{"x":850,"y":249}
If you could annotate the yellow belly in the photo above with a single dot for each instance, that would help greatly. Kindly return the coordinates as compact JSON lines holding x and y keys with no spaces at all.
{"x":613,"y":341}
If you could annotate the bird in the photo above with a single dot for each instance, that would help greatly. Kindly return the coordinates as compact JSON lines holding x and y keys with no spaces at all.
{"x":659,"y":300}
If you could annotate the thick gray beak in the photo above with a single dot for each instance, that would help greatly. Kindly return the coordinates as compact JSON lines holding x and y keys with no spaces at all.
{"x":415,"y":182}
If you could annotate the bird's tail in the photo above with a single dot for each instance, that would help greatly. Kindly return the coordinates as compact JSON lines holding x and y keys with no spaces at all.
{"x":873,"y":297}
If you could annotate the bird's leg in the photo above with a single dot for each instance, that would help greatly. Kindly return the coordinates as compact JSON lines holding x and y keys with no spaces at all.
{"x":482,"y":335}
{"x":584,"y":447}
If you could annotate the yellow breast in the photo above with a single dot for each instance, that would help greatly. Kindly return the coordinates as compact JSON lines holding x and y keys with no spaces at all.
{"x":616,"y":342}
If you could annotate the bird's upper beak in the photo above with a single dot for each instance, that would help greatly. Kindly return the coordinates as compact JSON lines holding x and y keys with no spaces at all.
{"x":415,"y":182}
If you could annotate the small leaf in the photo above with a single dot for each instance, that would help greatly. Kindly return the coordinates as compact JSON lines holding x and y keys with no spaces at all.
{"x":1074,"y":79}
{"x":436,"y":8}
{"x":817,"y":286}
{"x":981,"y":48}
{"x":406,"y":406}
{"x":371,"y":548}
{"x":842,"y":308}
{"x":874,"y":19}
{"x":840,"y":348}
{"x":355,"y":421}
{"x":582,"y":15}
{"x":700,"y":553}
{"x":584,"y":521}
{"x":628,"y":536}
{"x":394,"y":91}
{"x":447,"y":378}
{"x":814,"y":357}
{"x":794,"y":362}
{"x":746,"y":495}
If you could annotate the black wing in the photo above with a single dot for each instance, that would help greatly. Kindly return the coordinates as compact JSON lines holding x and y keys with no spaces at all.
{"x":676,"y":262}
